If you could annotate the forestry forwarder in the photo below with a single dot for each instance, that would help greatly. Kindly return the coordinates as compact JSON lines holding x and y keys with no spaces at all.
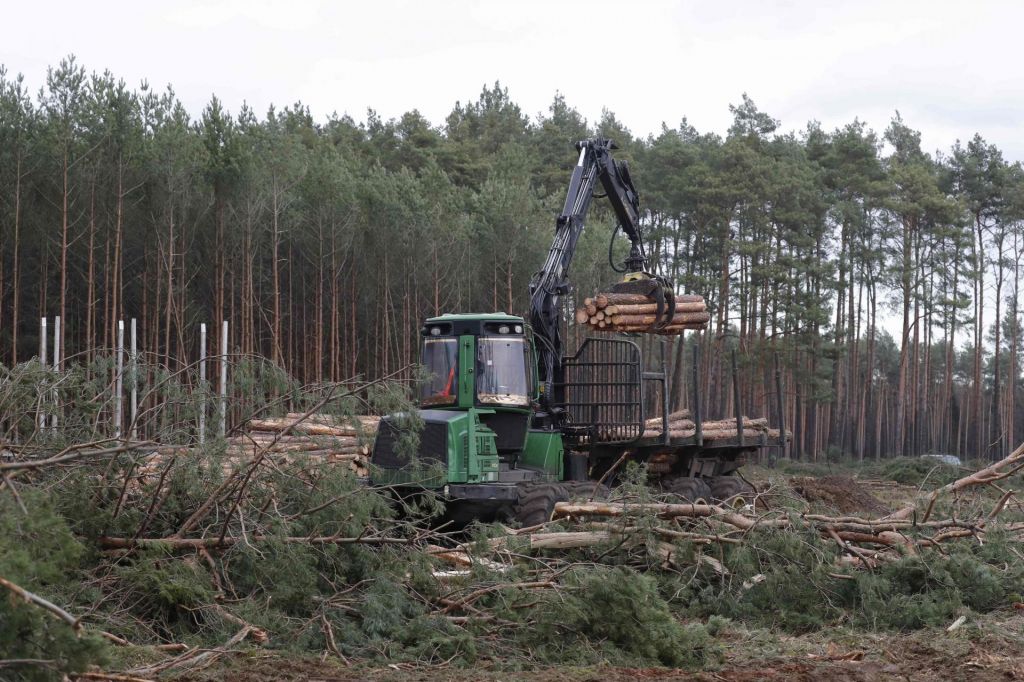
{"x":511,"y":425}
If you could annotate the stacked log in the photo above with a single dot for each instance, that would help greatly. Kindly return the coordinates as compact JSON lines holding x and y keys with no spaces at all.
{"x":680,"y":425}
{"x":637,"y":312}
{"x":317,"y":439}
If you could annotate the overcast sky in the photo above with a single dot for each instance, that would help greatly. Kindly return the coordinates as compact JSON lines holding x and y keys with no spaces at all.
{"x":951,"y":69}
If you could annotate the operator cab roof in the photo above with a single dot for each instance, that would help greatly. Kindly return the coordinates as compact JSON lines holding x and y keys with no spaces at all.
{"x":477,"y":324}
{"x":476,"y":317}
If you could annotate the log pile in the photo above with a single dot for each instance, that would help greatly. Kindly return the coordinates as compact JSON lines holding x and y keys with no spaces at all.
{"x":681,"y":425}
{"x":637,"y":313}
{"x":319,"y":439}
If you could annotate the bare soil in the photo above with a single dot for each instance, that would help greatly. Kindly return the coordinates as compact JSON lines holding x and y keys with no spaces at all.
{"x":843,"y":494}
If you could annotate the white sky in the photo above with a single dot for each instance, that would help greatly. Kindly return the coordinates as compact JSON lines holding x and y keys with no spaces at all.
{"x":951,"y":69}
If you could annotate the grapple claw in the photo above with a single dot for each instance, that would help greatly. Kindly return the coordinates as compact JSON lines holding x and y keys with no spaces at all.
{"x":655,"y":288}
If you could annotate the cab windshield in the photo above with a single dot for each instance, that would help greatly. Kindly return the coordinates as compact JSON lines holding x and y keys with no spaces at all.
{"x":440,"y":358}
{"x":502,"y":377}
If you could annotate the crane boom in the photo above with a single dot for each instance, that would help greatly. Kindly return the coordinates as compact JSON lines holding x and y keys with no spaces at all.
{"x":551,"y":282}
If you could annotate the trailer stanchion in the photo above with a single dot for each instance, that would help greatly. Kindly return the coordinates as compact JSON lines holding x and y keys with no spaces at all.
{"x":736,"y":400}
{"x":781,"y":408}
{"x":697,"y":416}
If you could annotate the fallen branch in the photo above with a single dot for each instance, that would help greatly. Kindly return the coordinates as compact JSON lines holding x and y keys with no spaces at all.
{"x":111,"y":677}
{"x":665,"y":511}
{"x":1004,"y":468}
{"x":32,"y":598}
{"x":194,"y":658}
{"x":78,"y":453}
{"x":211,"y":542}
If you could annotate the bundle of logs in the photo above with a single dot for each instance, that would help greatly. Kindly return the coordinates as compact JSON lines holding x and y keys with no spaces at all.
{"x":638,"y":313}
{"x":321,"y":439}
{"x":681,"y":425}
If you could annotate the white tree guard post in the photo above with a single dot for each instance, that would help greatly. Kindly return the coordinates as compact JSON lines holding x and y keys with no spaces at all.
{"x":119,"y":382}
{"x":42,"y":359}
{"x":133,"y":378}
{"x":56,"y":367}
{"x":223,"y":378}
{"x":202,"y":383}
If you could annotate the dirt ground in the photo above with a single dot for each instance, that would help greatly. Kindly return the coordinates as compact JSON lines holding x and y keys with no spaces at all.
{"x":843,"y":494}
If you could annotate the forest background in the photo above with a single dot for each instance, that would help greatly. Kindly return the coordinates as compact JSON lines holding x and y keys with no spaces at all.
{"x":868,"y":270}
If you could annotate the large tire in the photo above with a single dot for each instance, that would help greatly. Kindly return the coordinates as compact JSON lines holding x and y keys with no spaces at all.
{"x":537,"y":502}
{"x":732,"y":490}
{"x":689,"y":489}
{"x":586,"y":490}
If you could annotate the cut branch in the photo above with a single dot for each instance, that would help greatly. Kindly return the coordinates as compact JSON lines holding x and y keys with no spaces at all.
{"x":33,"y":598}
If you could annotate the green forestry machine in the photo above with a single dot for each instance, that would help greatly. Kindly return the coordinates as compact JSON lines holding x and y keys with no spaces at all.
{"x":511,"y":424}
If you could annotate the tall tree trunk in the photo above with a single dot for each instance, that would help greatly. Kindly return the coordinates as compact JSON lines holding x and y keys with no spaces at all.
{"x":276,"y":349}
{"x":90,"y":289}
{"x":168,"y":261}
{"x":1011,"y":379}
{"x":64,"y":244}
{"x":979,"y":335}
{"x":16,"y":274}
{"x":905,"y":289}
{"x":997,"y":421}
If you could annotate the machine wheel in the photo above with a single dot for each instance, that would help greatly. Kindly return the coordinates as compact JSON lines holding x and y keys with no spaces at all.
{"x":537,"y":503}
{"x":732,"y":490}
{"x":689,"y":488}
{"x":585,"y":490}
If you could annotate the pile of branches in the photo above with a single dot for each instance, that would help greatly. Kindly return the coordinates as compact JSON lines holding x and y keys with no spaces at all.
{"x":611,"y":312}
{"x":115,"y":542}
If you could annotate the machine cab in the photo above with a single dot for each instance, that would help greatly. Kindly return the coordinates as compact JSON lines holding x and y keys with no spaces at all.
{"x":477,"y":361}
{"x":485,"y":362}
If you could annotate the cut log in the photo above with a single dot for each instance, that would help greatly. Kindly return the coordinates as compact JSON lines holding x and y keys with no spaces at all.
{"x":673,"y":416}
{"x":306,"y":427}
{"x":652,"y":308}
{"x":673,"y":423}
{"x":665,"y":511}
{"x":336,"y":421}
{"x":680,"y":318}
{"x":752,"y":434}
{"x":672,"y":433}
{"x":677,"y":425}
{"x":673,"y":329}
{"x":602,"y":300}
{"x":569,"y":540}
{"x":250,"y":448}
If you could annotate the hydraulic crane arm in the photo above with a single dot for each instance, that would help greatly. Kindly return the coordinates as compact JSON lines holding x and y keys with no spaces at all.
{"x":548,"y":285}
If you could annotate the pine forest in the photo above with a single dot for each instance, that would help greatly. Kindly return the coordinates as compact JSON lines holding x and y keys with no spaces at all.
{"x":879,"y":278}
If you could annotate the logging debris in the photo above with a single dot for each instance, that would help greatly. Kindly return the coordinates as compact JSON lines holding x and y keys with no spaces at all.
{"x":610,"y":312}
